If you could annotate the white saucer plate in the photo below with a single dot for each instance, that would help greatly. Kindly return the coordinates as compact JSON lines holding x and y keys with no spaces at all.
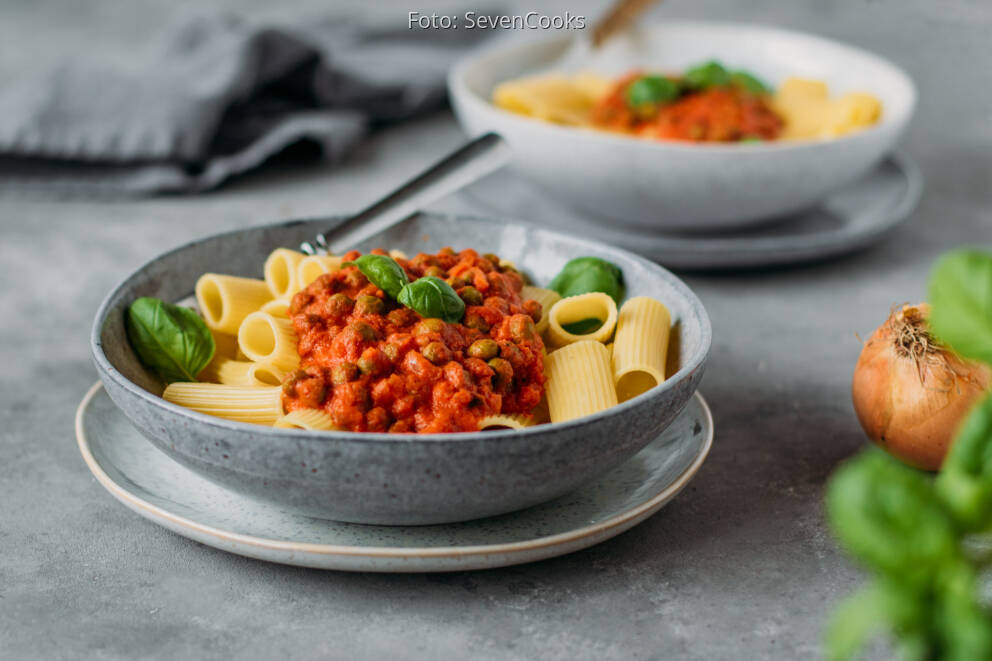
{"x":159,"y":489}
{"x":851,"y":219}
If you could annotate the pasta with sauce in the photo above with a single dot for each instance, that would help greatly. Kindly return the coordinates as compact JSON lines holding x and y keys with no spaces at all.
{"x":706,"y":103}
{"x":317,"y":345}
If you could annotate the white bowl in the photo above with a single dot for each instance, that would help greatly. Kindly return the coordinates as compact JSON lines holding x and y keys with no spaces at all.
{"x":648,"y":184}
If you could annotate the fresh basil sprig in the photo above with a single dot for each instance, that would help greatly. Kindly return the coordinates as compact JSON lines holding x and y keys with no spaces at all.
{"x":583,"y":275}
{"x":749,"y":82}
{"x":169,"y":339}
{"x":924,"y":538}
{"x":433,"y":297}
{"x":706,"y":75}
{"x":383,"y":272}
{"x":960,"y":294}
{"x":650,"y":90}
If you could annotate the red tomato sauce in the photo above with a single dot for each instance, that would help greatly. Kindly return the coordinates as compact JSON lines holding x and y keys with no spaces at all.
{"x":713,"y":115}
{"x":375,"y":365}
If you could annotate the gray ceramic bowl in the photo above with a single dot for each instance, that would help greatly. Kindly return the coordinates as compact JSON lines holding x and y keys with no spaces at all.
{"x":397,"y":478}
{"x":653,"y":185}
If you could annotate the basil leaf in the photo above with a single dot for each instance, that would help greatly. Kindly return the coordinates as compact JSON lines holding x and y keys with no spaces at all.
{"x":169,"y":339}
{"x":865,"y":613}
{"x":706,"y":75}
{"x":433,"y":297}
{"x":887,"y":515}
{"x":588,"y":274}
{"x":961,"y":300}
{"x":962,"y":625}
{"x":649,"y":90}
{"x":383,"y":272}
{"x":749,"y":82}
{"x":964,"y":484}
{"x":583,"y":327}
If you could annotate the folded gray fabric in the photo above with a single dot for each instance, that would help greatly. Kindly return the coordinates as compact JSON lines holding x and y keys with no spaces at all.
{"x":215,"y":97}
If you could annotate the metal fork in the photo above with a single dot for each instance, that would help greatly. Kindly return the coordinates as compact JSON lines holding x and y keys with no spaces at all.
{"x":463,"y":166}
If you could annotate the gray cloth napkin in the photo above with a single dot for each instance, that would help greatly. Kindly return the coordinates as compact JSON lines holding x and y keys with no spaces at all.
{"x":217,"y":96}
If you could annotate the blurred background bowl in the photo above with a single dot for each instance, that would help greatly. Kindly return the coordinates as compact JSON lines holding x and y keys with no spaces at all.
{"x":656,"y":185}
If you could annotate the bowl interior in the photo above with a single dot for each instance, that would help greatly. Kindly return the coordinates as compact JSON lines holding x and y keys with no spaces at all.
{"x":539,"y":253}
{"x":771,"y":53}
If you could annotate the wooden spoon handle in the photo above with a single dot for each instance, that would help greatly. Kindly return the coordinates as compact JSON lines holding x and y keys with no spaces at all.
{"x":618,"y":17}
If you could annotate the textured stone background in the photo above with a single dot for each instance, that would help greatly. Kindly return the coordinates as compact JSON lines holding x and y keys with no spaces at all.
{"x":739,"y":566}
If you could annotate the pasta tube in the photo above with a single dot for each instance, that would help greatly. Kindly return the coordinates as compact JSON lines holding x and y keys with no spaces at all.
{"x":242,"y":373}
{"x":226,"y":345}
{"x":546,"y":297}
{"x":264,"y":338}
{"x":281,"y":272}
{"x":225,"y":300}
{"x":312,"y":267}
{"x":314,"y":419}
{"x":640,"y":347}
{"x":569,"y":310}
{"x":277,"y":308}
{"x":262,"y":406}
{"x":505,"y":421}
{"x":579,"y":381}
{"x":555,"y":98}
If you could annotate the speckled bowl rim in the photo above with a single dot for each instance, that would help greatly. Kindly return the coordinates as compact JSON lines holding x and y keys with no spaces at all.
{"x":601,"y":531}
{"x":459,"y":88}
{"x":689,"y":364}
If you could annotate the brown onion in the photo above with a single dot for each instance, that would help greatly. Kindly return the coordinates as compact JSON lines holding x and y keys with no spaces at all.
{"x":910,"y":392}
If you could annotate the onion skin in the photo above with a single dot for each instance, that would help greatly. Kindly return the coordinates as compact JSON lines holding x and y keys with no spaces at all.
{"x":913,"y":421}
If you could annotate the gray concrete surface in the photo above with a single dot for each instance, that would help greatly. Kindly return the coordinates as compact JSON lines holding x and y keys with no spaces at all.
{"x":741,"y":565}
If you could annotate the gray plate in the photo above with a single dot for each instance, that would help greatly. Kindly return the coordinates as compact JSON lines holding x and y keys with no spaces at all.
{"x":853,"y":218}
{"x":161,"y":490}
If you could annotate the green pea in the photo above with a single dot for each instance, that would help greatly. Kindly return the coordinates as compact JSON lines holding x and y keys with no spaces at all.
{"x":431,"y":325}
{"x":391,"y":351}
{"x":435,"y":271}
{"x":364,"y":331}
{"x":367,"y":365}
{"x":436,"y":352}
{"x":471,"y":295}
{"x":369,"y":305}
{"x":344,"y":372}
{"x":475,"y":320}
{"x":289,"y":385}
{"x":522,"y":328}
{"x":339,"y":305}
{"x":503,"y":373}
{"x":483,"y":349}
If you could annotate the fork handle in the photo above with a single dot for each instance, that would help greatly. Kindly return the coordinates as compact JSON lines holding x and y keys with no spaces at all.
{"x":465,"y":165}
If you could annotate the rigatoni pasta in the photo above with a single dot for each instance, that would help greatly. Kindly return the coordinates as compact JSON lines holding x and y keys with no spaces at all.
{"x":312,"y":267}
{"x":579,"y":381}
{"x":277,"y":308}
{"x":594,"y":305}
{"x":504,"y":421}
{"x":242,"y":373}
{"x":281,"y":272}
{"x":225,"y":300}
{"x":263,"y":337}
{"x":262,"y":406}
{"x":312,"y":419}
{"x":640,"y":347}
